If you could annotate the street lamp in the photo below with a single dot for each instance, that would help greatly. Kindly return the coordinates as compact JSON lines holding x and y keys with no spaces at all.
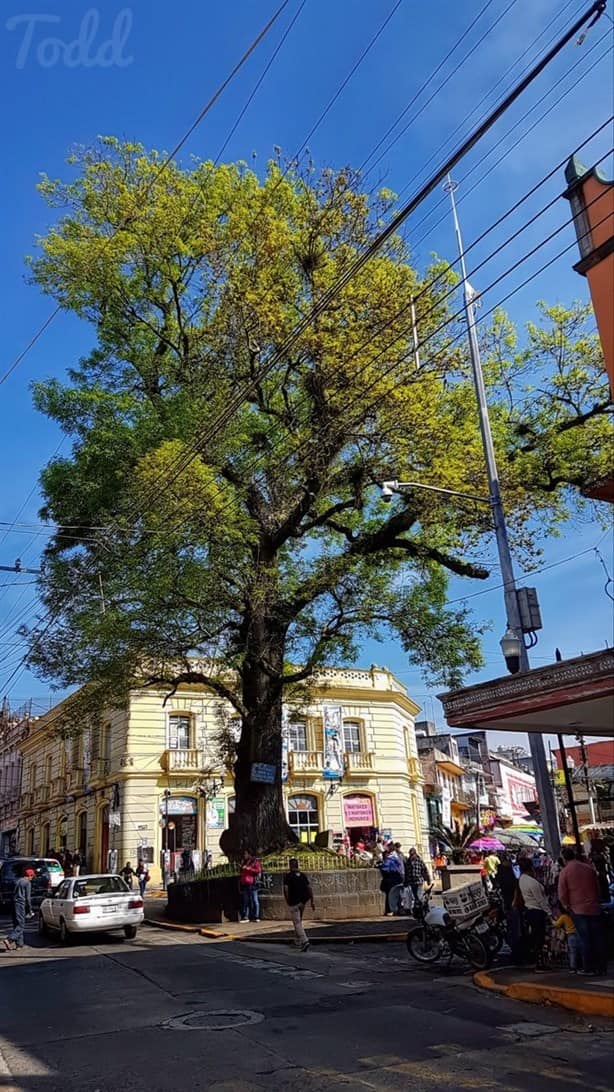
{"x":511,"y":649}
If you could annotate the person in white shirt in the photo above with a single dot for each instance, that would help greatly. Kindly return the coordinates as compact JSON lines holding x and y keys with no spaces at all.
{"x":537,"y":910}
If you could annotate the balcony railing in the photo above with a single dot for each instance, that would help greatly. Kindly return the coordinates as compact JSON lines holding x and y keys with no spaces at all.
{"x":177,"y":761}
{"x":100,"y":768}
{"x":358,"y":761}
{"x":41,"y":794}
{"x":26,"y":801}
{"x":302,"y":762}
{"x":58,"y":786}
{"x":74,"y":780}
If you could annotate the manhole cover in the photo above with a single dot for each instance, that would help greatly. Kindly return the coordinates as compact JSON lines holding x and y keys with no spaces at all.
{"x":218,"y":1020}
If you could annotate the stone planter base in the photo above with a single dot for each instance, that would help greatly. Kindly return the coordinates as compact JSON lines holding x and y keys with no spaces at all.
{"x":457,"y":875}
{"x":347,"y":893}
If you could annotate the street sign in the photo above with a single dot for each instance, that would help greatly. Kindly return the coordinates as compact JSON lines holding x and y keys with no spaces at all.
{"x":263,"y":773}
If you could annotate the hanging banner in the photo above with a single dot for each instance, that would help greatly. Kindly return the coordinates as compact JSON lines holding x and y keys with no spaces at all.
{"x":333,"y":743}
{"x":358,"y":811}
{"x":285,"y":721}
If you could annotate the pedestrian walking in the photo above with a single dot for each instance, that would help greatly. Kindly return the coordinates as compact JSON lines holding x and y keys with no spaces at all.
{"x":297,"y":893}
{"x":416,"y":873}
{"x":537,"y":911}
{"x":67,"y":863}
{"x":507,"y":884}
{"x":142,"y":876}
{"x":391,"y":871}
{"x":22,"y":909}
{"x":566,"y":923}
{"x":579,"y":894}
{"x":127,"y":874}
{"x":77,"y":861}
{"x":249,"y":874}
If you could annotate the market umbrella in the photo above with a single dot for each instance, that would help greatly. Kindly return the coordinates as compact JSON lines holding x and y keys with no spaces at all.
{"x":486,"y":843}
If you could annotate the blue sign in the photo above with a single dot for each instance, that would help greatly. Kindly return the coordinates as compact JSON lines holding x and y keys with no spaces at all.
{"x":264,"y":773}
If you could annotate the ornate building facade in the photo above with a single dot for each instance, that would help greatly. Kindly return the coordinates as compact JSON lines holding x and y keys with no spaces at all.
{"x":150,"y":780}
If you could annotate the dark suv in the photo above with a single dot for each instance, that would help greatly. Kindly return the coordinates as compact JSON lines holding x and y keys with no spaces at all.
{"x":10,"y":871}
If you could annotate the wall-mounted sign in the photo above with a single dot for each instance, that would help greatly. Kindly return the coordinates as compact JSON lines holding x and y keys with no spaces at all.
{"x":262,"y":772}
{"x":179,"y":805}
{"x":216,"y":813}
{"x":358,"y":811}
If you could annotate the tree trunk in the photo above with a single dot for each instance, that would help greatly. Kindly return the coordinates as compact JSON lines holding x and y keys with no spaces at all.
{"x":259,"y":822}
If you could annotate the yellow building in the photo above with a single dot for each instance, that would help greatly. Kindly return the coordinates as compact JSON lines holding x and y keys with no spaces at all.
{"x":150,"y":778}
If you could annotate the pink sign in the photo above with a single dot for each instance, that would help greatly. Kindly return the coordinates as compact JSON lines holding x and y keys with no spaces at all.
{"x":358,"y":811}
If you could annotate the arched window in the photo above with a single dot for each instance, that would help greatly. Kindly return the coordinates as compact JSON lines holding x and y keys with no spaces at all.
{"x":303,"y":817}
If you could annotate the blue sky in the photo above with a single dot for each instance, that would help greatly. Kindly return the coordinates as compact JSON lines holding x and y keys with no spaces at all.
{"x":166,"y":66}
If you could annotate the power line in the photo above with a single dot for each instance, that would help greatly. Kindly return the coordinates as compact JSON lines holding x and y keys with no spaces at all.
{"x":593,"y":13}
{"x":382,"y":237}
{"x":163,"y":166}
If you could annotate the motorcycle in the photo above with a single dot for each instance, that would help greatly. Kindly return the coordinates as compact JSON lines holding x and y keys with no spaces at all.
{"x":497,"y":925}
{"x":436,"y":934}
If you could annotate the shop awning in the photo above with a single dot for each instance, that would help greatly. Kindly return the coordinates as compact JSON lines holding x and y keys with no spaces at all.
{"x":570,"y":697}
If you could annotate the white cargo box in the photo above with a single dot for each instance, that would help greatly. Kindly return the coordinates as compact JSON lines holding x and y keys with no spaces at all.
{"x":465,"y":902}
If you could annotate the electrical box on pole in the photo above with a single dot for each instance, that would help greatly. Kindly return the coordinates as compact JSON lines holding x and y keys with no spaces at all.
{"x":528,"y":605}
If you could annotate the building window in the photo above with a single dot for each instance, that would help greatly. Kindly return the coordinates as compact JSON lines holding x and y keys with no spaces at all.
{"x":82,"y":833}
{"x":179,"y":732}
{"x":351,"y":737}
{"x":30,"y":843}
{"x":33,"y":776}
{"x":48,"y":770}
{"x":303,"y":817}
{"x":297,"y":736}
{"x":45,"y":840}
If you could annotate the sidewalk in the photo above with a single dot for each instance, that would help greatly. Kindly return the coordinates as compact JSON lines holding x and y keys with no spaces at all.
{"x":280,"y":932}
{"x":590,"y":996}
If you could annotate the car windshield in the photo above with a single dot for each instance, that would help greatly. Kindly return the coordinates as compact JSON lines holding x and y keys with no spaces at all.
{"x":99,"y":885}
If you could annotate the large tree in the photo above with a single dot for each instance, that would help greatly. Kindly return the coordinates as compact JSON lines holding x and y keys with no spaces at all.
{"x":244,"y":551}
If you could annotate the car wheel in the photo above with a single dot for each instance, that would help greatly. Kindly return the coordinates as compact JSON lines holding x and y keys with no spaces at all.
{"x":43,"y":928}
{"x":65,"y":936}
{"x":129,"y":932}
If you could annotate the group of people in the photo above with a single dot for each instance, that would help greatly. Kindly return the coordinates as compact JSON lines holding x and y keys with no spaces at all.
{"x":140,"y":874}
{"x":71,"y":862}
{"x":396,"y":868}
{"x":570,"y":899}
{"x":297,"y":894}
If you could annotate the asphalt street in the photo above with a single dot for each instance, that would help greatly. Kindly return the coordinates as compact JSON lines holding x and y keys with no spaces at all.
{"x":175,"y":1011}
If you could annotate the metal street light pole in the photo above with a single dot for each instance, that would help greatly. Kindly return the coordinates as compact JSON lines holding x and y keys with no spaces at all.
{"x":536,"y":742}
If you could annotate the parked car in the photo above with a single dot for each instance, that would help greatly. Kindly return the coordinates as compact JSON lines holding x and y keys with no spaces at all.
{"x":56,"y":872}
{"x":91,"y":904}
{"x":12,"y":868}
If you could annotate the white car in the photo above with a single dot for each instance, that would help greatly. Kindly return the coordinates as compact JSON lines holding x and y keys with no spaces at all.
{"x":91,"y":904}
{"x":56,"y":872}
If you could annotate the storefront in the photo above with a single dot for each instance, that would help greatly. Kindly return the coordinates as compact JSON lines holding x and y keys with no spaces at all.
{"x":179,"y":826}
{"x":359,"y":817}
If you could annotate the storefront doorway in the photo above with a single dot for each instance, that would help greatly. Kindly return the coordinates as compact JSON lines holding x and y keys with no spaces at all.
{"x":179,"y":817}
{"x":104,"y":838}
{"x":359,"y":818}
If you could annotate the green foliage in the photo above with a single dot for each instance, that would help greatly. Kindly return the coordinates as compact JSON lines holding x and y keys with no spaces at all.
{"x":458,"y":841}
{"x":270,"y":546}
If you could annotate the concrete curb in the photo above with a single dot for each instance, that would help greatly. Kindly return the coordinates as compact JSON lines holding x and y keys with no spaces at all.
{"x":583,"y":1001}
{"x":315,"y":939}
{"x":171,"y":926}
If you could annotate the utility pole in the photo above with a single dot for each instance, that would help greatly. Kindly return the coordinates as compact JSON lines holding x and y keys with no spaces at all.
{"x":514,"y":622}
{"x":584,"y":757}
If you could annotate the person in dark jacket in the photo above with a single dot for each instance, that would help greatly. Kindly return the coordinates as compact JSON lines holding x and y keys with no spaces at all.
{"x":507,"y":883}
{"x":22,"y":908}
